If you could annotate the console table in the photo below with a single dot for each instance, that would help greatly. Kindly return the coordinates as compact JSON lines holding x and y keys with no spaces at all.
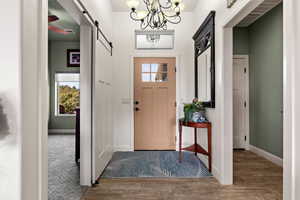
{"x":196,"y":147}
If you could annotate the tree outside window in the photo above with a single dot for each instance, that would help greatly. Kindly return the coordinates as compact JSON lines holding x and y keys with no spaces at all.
{"x":67,"y":93}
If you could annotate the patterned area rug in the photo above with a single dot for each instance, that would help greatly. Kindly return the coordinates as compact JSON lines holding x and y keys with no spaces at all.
{"x":63,"y":173}
{"x":155,"y":164}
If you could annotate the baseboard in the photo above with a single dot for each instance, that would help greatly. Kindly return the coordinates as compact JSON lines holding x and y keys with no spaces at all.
{"x":215,"y":172}
{"x":123,"y":148}
{"x":61,"y":131}
{"x":274,"y":159}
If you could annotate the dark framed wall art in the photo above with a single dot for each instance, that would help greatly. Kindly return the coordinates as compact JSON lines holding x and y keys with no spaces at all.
{"x":73,"y":58}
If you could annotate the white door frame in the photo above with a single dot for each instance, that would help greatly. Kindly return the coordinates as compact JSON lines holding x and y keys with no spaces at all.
{"x":34,"y":99}
{"x":178,"y":82}
{"x":246,"y":58}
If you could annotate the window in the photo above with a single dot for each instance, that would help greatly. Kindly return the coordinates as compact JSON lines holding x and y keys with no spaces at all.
{"x":67,"y":93}
{"x":150,"y":40}
{"x":155,"y":72}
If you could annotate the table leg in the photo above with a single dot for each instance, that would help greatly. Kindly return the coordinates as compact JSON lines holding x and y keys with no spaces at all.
{"x":209,"y":148}
{"x":180,"y":142}
{"x":195,"y":142}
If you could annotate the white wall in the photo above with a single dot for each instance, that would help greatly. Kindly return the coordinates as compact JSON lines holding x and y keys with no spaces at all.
{"x":291,"y":84}
{"x":10,"y":66}
{"x":124,"y":51}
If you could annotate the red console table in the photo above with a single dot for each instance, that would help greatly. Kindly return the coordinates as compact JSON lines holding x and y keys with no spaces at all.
{"x":196,"y":147}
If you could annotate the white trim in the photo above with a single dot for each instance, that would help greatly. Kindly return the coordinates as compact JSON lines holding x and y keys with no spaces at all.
{"x":85,"y":105}
{"x":61,"y":131}
{"x":34,"y":100}
{"x":274,"y":159}
{"x":291,"y":99}
{"x":178,"y":82}
{"x":246,"y":57}
{"x":123,"y":148}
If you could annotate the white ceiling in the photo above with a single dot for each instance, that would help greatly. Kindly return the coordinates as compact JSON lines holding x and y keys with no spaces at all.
{"x":120,"y":5}
{"x":258,"y":12}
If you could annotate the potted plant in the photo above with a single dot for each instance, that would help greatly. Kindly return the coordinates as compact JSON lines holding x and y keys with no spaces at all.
{"x":194,"y":111}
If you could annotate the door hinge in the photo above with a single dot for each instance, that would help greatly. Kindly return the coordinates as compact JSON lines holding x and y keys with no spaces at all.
{"x":245,"y":138}
{"x":245,"y":104}
{"x":245,"y":70}
{"x":175,"y":139}
{"x":175,"y":104}
{"x":175,"y":69}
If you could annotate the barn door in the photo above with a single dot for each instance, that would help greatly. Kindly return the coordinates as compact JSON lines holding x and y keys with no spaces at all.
{"x":102,"y":137}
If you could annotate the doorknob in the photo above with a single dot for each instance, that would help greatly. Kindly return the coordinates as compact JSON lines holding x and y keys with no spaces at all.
{"x":136,"y":102}
{"x":136,"y":109}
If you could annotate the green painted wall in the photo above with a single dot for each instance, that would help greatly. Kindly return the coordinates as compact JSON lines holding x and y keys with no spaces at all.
{"x":241,"y":41}
{"x":265,"y":49}
{"x":58,"y":63}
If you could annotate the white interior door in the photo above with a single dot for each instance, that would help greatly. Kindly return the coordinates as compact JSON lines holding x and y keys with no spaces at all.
{"x":102,"y":137}
{"x":240,"y":103}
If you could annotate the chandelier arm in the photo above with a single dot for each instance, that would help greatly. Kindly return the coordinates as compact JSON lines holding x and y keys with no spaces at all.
{"x":165,"y":27}
{"x":144,"y":21}
{"x":174,"y":22}
{"x":150,"y":20}
{"x":170,"y":15}
{"x":132,"y":17}
{"x":142,"y":25}
{"x":147,"y":6}
{"x":159,"y":21}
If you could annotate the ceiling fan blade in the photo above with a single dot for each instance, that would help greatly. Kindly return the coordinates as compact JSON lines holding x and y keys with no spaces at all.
{"x":52,"y":18}
{"x":58,"y":30}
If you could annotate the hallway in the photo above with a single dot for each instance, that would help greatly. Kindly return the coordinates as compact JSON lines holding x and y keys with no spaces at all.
{"x":254,"y":179}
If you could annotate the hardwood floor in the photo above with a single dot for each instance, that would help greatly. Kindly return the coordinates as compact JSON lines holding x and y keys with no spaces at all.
{"x":254,"y":179}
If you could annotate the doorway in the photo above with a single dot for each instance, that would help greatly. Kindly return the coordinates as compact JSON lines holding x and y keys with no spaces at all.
{"x":155,"y":104}
{"x":258,"y":100}
{"x":64,"y":108}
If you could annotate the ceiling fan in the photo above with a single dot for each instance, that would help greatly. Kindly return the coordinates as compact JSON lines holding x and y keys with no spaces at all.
{"x":53,"y":18}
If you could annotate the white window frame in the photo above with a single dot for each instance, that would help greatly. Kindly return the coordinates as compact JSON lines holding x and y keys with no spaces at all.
{"x":56,"y":107}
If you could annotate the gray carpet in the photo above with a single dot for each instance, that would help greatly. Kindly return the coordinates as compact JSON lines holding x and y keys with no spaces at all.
{"x":63,"y":173}
{"x":155,"y":164}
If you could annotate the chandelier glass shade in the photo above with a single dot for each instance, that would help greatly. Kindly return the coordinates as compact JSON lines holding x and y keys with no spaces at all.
{"x":157,"y":13}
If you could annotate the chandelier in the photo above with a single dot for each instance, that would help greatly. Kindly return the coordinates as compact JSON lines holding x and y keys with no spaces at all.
{"x":157,"y":13}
